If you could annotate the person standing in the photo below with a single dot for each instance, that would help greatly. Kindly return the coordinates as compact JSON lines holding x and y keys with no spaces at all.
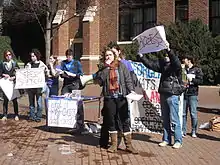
{"x":194,"y":78}
{"x":7,"y":70}
{"x":36,"y":92}
{"x":73,"y":82}
{"x":53,"y":78}
{"x":116,"y":83}
{"x":171,"y":76}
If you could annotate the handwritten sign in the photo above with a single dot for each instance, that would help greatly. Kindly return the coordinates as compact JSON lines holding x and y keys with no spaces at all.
{"x":146,"y":113}
{"x":151,"y":40}
{"x":30,"y":78}
{"x":62,"y":112}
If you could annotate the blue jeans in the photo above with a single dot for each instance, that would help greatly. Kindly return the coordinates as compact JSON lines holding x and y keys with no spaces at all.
{"x":170,"y":116}
{"x":191,"y":103}
{"x":33,"y":115}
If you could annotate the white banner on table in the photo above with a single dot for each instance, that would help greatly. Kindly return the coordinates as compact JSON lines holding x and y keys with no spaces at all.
{"x":7,"y":87}
{"x":151,"y":40}
{"x":30,"y":78}
{"x":62,"y":112}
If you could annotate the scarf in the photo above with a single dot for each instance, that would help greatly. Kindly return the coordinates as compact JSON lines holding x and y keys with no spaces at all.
{"x":113,"y":78}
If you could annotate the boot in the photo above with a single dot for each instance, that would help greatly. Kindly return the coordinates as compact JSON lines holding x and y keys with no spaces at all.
{"x":120,"y":136}
{"x":129,"y":147}
{"x":114,"y":143}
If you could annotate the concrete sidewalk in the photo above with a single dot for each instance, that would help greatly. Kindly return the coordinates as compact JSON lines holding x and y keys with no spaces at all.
{"x":31,"y":143}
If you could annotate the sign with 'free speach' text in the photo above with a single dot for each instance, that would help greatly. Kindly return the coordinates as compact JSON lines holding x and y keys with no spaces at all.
{"x":30,"y":78}
{"x":62,"y":112}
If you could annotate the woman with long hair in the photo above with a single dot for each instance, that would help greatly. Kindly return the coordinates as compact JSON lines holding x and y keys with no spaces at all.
{"x":116,"y":83}
{"x":36,"y":92}
{"x":7,"y":71}
{"x":53,"y":78}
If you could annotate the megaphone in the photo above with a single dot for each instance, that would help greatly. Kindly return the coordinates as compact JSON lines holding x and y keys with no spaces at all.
{"x":85,"y":79}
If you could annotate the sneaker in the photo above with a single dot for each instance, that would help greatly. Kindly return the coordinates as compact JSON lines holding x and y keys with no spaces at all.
{"x":163,"y":144}
{"x":177,"y":145}
{"x":4,"y":118}
{"x":16,"y":118}
{"x":183,"y":135}
{"x":194,"y":135}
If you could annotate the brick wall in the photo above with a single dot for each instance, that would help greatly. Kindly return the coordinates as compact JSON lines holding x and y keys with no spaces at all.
{"x":108,"y":22}
{"x":199,"y":9}
{"x":165,"y":11}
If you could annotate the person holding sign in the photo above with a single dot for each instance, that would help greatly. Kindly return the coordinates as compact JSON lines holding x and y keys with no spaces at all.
{"x":116,"y":81}
{"x":7,"y":71}
{"x":36,"y":92}
{"x":194,"y":78}
{"x":171,"y":78}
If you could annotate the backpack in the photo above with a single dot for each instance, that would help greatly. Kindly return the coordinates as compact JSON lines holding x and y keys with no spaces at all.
{"x":215,"y":123}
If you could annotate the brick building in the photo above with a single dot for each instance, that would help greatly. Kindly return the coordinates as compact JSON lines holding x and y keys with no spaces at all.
{"x":119,"y":20}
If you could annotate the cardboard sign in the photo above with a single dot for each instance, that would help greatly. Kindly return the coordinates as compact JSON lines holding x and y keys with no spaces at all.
{"x":30,"y":78}
{"x":151,"y":40}
{"x":62,"y":112}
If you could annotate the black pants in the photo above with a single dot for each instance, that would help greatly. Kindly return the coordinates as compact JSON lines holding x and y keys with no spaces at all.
{"x":104,"y":134}
{"x":67,"y":88}
{"x":116,"y":114}
{"x":5,"y":106}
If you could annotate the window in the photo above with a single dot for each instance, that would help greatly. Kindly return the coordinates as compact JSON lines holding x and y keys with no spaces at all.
{"x":135,"y":17}
{"x":79,"y":33}
{"x":214,"y":16}
{"x":181,"y":10}
{"x":81,"y":6}
{"x":78,"y":50}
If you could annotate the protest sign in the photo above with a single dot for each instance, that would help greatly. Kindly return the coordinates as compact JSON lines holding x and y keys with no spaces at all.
{"x":146,"y":113}
{"x":7,"y":87}
{"x":151,"y":40}
{"x":30,"y":78}
{"x":62,"y":112}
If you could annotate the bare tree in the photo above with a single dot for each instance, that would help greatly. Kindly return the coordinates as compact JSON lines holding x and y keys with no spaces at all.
{"x":22,"y":11}
{"x":44,"y":12}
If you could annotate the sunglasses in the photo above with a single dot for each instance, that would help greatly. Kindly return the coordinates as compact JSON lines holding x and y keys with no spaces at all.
{"x":8,"y":54}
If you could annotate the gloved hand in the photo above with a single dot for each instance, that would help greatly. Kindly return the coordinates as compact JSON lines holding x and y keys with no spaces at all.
{"x":140,"y":54}
{"x":167,"y":45}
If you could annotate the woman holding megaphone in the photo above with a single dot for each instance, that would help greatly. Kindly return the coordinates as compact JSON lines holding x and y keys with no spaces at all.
{"x":116,"y":83}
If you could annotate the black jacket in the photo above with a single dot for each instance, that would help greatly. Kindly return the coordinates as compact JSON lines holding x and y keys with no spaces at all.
{"x":4,"y":70}
{"x":125,"y":80}
{"x":193,"y":87}
{"x":168,"y":72}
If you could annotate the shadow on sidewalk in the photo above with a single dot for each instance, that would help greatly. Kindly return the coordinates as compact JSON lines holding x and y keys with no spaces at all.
{"x":87,"y":139}
{"x":208,"y":137}
{"x":207,"y":110}
{"x":143,"y":137}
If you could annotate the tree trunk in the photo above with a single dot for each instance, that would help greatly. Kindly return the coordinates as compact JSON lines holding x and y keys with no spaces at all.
{"x":47,"y":37}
